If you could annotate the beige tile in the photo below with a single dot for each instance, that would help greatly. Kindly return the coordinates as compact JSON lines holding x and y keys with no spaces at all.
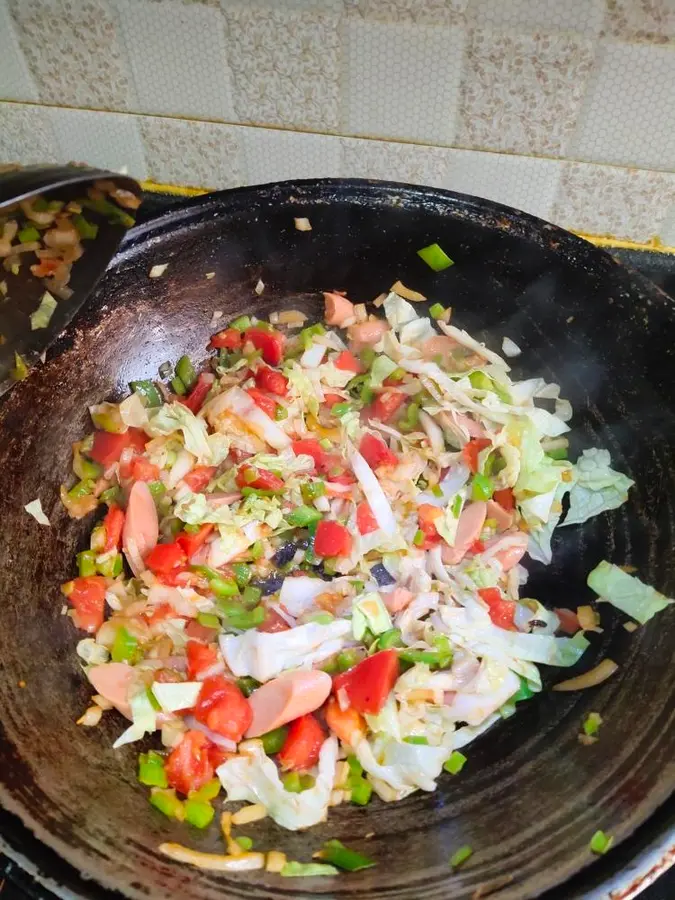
{"x":72,"y":48}
{"x":109,"y":140}
{"x":270,"y":155}
{"x":521,"y":92}
{"x":388,"y":161}
{"x":582,"y":16}
{"x":422,"y":12}
{"x":198,"y":154}
{"x":16,"y":82}
{"x":624,"y":203}
{"x":285,"y":64}
{"x":667,"y":231}
{"x":642,"y":20}
{"x":26,"y":135}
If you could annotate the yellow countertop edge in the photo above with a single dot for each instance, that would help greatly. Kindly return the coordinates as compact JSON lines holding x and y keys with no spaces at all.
{"x":599,"y":240}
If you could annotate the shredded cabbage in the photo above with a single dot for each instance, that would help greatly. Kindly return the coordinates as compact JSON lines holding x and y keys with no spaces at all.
{"x":632,"y":596}
{"x":144,"y":720}
{"x":597,"y":488}
{"x":369,"y":612}
{"x":176,"y":417}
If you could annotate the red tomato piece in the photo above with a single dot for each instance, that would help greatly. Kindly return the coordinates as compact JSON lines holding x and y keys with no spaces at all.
{"x":271,"y":381}
{"x":164,"y":559}
{"x":331,"y":399}
{"x":375,"y":452}
{"x":195,"y":399}
{"x":272,"y":344}
{"x":273,"y":622}
{"x":344,"y":477}
{"x":223,"y":708}
{"x":201,"y":658}
{"x":311,"y":447}
{"x":199,"y":477}
{"x":501,"y":611}
{"x":303,"y":744}
{"x":198,"y":632}
{"x":113,"y":524}
{"x":192,"y":542}
{"x":229,"y":339}
{"x":471,"y":451}
{"x":569,"y":621}
{"x":426,"y":517}
{"x":143,"y":470}
{"x":332,"y":539}
{"x":219,"y":755}
{"x":263,"y":481}
{"x":505,"y":499}
{"x":348,"y":362}
{"x":107,"y":448}
{"x":188,"y":766}
{"x":477,"y":547}
{"x":387,"y":404}
{"x":262,"y":401}
{"x":369,"y":682}
{"x":365,"y":520}
{"x":87,"y":597}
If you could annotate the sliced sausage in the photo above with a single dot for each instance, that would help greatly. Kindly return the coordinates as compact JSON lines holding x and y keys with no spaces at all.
{"x":366,"y":333}
{"x":286,"y":698}
{"x":469,"y":528}
{"x":338,"y":309}
{"x":502,"y":517}
{"x":112,"y":681}
{"x":141,"y":527}
{"x":508,"y":549}
{"x":397,"y":600}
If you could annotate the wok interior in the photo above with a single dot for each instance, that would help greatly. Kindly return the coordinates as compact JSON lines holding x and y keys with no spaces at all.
{"x":531,"y":795}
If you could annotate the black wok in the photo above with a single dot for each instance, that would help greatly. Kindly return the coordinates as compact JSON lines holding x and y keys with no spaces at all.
{"x":531,"y":795}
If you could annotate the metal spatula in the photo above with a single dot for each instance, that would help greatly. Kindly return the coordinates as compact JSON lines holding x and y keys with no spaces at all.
{"x":22,"y":340}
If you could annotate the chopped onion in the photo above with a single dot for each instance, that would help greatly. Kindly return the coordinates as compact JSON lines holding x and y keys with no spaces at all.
{"x":302,"y":224}
{"x":157,"y":271}
{"x":292,"y":317}
{"x":374,"y":494}
{"x":312,"y":357}
{"x":210,"y":275}
{"x":213,"y":861}
{"x":510,"y":348}
{"x":217,"y":314}
{"x":34,"y":509}
{"x":433,"y":432}
{"x":259,"y":288}
{"x":91,"y":717}
{"x":407,"y":293}
{"x":589,"y":679}
{"x":42,"y":315}
{"x":588,"y":618}
{"x":218,"y":739}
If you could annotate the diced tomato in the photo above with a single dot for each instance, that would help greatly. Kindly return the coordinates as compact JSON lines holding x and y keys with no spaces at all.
{"x":505,"y":499}
{"x":45,"y":267}
{"x":332,"y":539}
{"x":195,"y":399}
{"x":164,"y":559}
{"x":223,"y":708}
{"x":569,"y":621}
{"x":87,"y":597}
{"x":199,"y":477}
{"x":198,"y":632}
{"x":201,"y":658}
{"x":142,"y":469}
{"x":229,"y":339}
{"x":471,"y":451}
{"x":387,"y":404}
{"x":375,"y":452}
{"x":344,"y":477}
{"x":264,"y":480}
{"x":273,"y":622}
{"x":271,"y":343}
{"x":368,"y":683}
{"x":180,"y":576}
{"x":188,"y":766}
{"x":477,"y":547}
{"x":113,"y":524}
{"x":331,"y":399}
{"x":501,"y":611}
{"x":159,"y":614}
{"x":192,"y":542}
{"x":346,"y":724}
{"x":107,"y":448}
{"x":303,"y":744}
{"x":311,"y":447}
{"x":426,"y":517}
{"x":365,"y":520}
{"x":262,"y":401}
{"x":348,"y":362}
{"x":271,"y":381}
{"x":219,"y":755}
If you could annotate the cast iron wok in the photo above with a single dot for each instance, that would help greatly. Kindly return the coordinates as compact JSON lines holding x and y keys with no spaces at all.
{"x":531,"y":795}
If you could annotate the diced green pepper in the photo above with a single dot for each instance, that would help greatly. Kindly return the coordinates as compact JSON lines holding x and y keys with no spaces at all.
{"x":151,"y":770}
{"x":340,"y":409}
{"x":82,"y":488}
{"x":242,"y":574}
{"x":208,"y":620}
{"x":335,"y":853}
{"x":428,"y":657}
{"x":86,"y":468}
{"x":147,"y":392}
{"x":111,"y":566}
{"x":600,"y":843}
{"x":112,"y":495}
{"x":436,"y":311}
{"x":367,"y":357}
{"x":246,"y":843}
{"x":361,"y":791}
{"x":455,"y":763}
{"x":251,"y":595}
{"x":199,"y":813}
{"x":346,"y":659}
{"x":247,"y":685}
{"x":208,"y":791}
{"x":416,"y":739}
{"x":28,"y":235}
{"x":291,"y":782}
{"x":280,"y":413}
{"x":411,"y":419}
{"x":389,"y":639}
{"x":256,"y":550}
{"x":310,"y":332}
{"x":178,"y":387}
{"x":115,"y":215}
{"x":592,"y":723}
{"x":435,"y":257}
{"x":86,"y":563}
{"x":20,"y":370}
{"x":482,"y":487}
{"x":125,"y":646}
{"x":436,"y":490}
{"x":302,"y":516}
{"x":167,"y":802}
{"x":186,"y":371}
{"x":224,"y":587}
{"x":557,"y":453}
{"x":459,"y":857}
{"x":312,"y":490}
{"x":157,"y":489}
{"x":419,"y":538}
{"x":241,"y":324}
{"x":87,"y":230}
{"x":355,"y":767}
{"x":524,"y":692}
{"x":274,"y":740}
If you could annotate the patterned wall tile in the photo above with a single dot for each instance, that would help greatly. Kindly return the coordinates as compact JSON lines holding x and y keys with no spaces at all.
{"x":521,"y":93}
{"x":26,"y":135}
{"x":110,"y":140}
{"x":525,"y":182}
{"x":642,"y":20}
{"x":423,"y":12}
{"x":178,"y":58}
{"x":629,"y":111}
{"x":388,"y":161}
{"x":625,"y":203}
{"x":72,"y":48}
{"x":285,"y":64}
{"x":16,"y":82}
{"x":583,"y":16}
{"x":271,"y":155}
{"x":667,"y":231}
{"x":200,"y":154}
{"x":402,"y":80}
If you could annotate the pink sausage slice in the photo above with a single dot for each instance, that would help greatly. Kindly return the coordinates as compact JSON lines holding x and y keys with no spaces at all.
{"x":286,"y":698}
{"x":510,"y":549}
{"x":397,"y":600}
{"x":469,"y":528}
{"x":338,"y":309}
{"x":502,"y":517}
{"x":367,"y":332}
{"x":140,"y":524}
{"x":112,"y":681}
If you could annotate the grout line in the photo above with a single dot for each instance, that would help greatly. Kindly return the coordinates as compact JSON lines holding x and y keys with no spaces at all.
{"x":599,"y":240}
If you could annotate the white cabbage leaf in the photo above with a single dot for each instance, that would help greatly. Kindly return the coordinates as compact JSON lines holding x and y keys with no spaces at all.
{"x":144,"y":720}
{"x":597,"y":489}
{"x":626,"y":592}
{"x":176,"y":417}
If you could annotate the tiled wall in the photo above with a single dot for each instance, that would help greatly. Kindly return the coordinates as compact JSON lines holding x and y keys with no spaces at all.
{"x":565,"y":108}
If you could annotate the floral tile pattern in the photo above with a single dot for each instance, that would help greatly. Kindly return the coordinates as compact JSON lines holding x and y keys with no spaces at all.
{"x":421,"y":12}
{"x":642,"y":20}
{"x":521,"y":93}
{"x":388,"y":161}
{"x":581,"y":16}
{"x":285,"y":65}
{"x":196,"y":153}
{"x":26,"y":135}
{"x":73,"y":51}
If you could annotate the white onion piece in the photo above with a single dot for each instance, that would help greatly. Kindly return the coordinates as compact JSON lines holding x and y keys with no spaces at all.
{"x":184,"y":463}
{"x":375,"y":496}
{"x":435,"y":565}
{"x":433,"y":432}
{"x":281,"y":612}
{"x":510,"y":348}
{"x":297,"y":595}
{"x":313,"y":356}
{"x":240,"y":404}
{"x":218,"y":739}
{"x":133,"y":556}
